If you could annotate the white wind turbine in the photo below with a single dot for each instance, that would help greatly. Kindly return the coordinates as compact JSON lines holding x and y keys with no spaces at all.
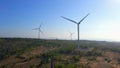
{"x":39,"y":30}
{"x":78,"y":23}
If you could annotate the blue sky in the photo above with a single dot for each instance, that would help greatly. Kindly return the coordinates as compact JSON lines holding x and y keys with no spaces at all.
{"x":19,"y":17}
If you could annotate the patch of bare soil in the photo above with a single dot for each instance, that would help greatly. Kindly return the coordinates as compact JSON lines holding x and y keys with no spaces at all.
{"x":11,"y":61}
{"x":100,"y":65}
{"x":24,"y":61}
{"x":107,"y":60}
{"x":83,"y":61}
{"x":38,"y":51}
{"x":34,"y":62}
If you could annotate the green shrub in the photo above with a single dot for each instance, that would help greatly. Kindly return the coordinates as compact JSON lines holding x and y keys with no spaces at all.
{"x":107,"y":59}
{"x":76,"y":58}
{"x":32,"y":66}
{"x":64,"y":65}
{"x":92,"y":58}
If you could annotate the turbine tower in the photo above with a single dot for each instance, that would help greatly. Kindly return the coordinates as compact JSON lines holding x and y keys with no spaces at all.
{"x":78,"y":23}
{"x":39,"y":30}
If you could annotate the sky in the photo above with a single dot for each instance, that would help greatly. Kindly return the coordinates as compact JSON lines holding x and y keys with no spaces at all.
{"x":19,"y":17}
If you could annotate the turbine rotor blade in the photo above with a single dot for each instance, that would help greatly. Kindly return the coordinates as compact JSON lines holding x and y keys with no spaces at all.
{"x":35,"y":29}
{"x":69,"y":20}
{"x":83,"y":18}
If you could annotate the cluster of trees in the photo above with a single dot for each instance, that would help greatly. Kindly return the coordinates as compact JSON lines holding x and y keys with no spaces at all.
{"x":11,"y":46}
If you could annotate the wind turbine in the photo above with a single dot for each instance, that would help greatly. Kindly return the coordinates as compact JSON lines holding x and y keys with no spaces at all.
{"x":78,"y":23}
{"x":71,"y":35}
{"x":39,"y":30}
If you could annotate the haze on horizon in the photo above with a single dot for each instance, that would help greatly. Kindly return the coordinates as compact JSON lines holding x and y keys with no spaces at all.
{"x":19,"y":17}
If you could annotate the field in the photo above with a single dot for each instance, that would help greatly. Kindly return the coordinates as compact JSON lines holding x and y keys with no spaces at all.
{"x":37,"y":53}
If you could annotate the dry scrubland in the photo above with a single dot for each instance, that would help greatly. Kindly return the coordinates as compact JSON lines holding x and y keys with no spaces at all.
{"x":34,"y":53}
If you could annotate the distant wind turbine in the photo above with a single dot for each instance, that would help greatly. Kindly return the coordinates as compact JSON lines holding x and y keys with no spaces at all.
{"x":78,"y":23}
{"x":39,"y":30}
{"x":71,"y":35}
